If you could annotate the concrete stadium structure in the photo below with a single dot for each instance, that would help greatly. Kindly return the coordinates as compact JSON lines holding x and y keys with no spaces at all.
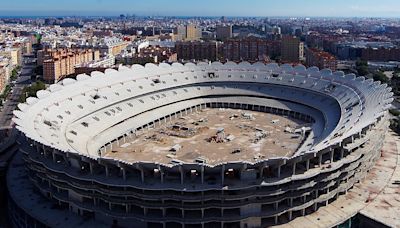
{"x":66,"y":131}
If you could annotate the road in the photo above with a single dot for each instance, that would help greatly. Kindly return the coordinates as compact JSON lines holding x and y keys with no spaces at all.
{"x":10,"y":104}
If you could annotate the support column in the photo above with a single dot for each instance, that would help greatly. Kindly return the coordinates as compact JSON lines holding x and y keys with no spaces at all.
{"x":182,"y":174}
{"x":320,"y":160}
{"x":202,"y":174}
{"x":91,"y":167}
{"x":279,"y":171}
{"x":308,"y":164}
{"x":294,"y":168}
{"x":123,"y":173}
{"x":222,"y":175}
{"x":107,"y":171}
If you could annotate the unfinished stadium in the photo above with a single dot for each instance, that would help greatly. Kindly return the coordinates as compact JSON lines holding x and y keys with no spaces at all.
{"x":206,"y":145}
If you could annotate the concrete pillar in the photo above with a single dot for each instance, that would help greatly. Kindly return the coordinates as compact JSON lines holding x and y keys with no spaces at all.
{"x":320,"y":160}
{"x":107,"y":171}
{"x":123,"y":173}
{"x":290,"y":215}
{"x":223,"y":174}
{"x":332,"y":154}
{"x":202,"y":174}
{"x":182,"y":174}
{"x":276,"y":205}
{"x":294,"y":168}
{"x":341,"y":153}
{"x":308,"y":164}
{"x":276,"y":219}
{"x":127,"y":208}
{"x":142,"y":174}
{"x":161,"y":174}
{"x":91,"y":167}
{"x":279,"y":171}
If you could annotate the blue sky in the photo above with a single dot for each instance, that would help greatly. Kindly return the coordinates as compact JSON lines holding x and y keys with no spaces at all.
{"x":320,"y":8}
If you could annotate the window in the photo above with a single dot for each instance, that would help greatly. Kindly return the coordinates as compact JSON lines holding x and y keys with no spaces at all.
{"x":85,"y":124}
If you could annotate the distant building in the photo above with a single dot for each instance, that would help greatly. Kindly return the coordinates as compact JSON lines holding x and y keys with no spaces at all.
{"x":114,"y":48}
{"x":223,"y":32}
{"x":149,"y":52}
{"x":250,"y":49}
{"x":95,"y":65}
{"x":3,"y":78}
{"x":374,"y":51}
{"x":321,"y":59}
{"x":380,"y":54}
{"x":197,"y":50}
{"x":5,"y":72}
{"x":188,"y":32}
{"x":292,"y":49}
{"x":15,"y":55}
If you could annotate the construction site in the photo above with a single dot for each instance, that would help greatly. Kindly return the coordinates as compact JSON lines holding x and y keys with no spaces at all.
{"x":213,"y":136}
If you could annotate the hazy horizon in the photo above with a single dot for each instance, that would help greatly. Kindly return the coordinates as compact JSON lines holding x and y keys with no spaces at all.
{"x":207,"y":8}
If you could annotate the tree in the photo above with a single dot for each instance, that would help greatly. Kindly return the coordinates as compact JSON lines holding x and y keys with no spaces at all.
{"x":31,"y":91}
{"x":362,"y":68}
{"x":380,"y":76}
{"x":395,"y":125}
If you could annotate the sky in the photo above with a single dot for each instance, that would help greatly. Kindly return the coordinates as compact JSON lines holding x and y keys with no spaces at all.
{"x":259,"y":8}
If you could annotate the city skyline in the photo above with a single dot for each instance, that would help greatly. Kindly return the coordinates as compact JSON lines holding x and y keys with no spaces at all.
{"x":259,"y":8}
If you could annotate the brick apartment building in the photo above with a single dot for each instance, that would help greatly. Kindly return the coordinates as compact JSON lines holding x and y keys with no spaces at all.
{"x":197,"y":50}
{"x":59,"y":63}
{"x":250,"y":49}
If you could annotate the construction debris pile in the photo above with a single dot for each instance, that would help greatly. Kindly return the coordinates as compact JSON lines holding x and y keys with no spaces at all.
{"x":181,"y":131}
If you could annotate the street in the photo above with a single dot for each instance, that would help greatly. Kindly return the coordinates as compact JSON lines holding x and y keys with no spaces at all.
{"x":12,"y":100}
